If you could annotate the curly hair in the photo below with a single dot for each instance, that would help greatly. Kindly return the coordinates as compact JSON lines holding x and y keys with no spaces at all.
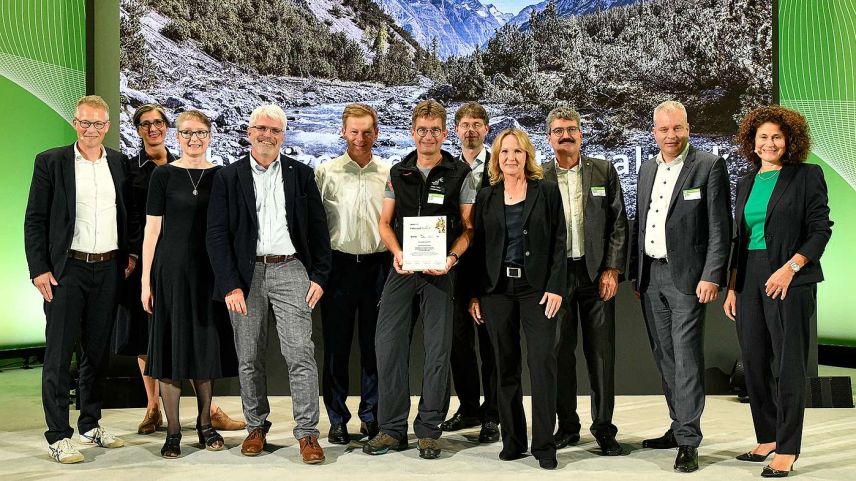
{"x":793,"y":125}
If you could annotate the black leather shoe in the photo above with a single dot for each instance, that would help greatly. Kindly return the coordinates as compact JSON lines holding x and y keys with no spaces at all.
{"x":769,"y":472}
{"x":369,"y":428}
{"x":666,"y":441}
{"x":547,"y":463}
{"x":338,"y":434}
{"x":608,"y":445}
{"x":489,"y":432}
{"x":687,"y":459}
{"x":754,"y":458}
{"x":508,"y":456}
{"x":564,"y":438}
{"x":459,"y":421}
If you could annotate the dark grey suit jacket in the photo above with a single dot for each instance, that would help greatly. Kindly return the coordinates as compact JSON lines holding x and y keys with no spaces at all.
{"x":698,"y":232}
{"x":604,"y":218}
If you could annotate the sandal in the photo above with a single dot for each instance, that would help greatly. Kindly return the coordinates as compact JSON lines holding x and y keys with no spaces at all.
{"x":209,"y":437}
{"x":171,"y":447}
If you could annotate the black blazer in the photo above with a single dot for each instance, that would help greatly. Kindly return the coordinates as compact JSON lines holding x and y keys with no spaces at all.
{"x":604,"y":217}
{"x":698,"y":232}
{"x":545,"y":260}
{"x":51,"y":210}
{"x":797,"y":222}
{"x":233,"y":225}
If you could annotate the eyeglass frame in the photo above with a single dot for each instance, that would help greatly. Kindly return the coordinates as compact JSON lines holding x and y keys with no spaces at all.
{"x":423,"y":131}
{"x":85,"y":124}
{"x":264,"y":129}
{"x":559,"y":131}
{"x":200,"y":134}
{"x":157,"y":123}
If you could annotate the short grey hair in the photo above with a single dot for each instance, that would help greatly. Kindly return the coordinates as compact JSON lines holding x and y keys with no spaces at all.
{"x":564,"y":113}
{"x":670,"y":106}
{"x":270,"y":111}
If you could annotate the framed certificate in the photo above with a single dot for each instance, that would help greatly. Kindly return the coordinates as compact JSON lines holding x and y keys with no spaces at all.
{"x":424,"y":243}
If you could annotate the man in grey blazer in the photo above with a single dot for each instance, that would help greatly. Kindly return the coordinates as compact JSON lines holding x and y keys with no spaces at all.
{"x":596,"y":254}
{"x":678,"y":262}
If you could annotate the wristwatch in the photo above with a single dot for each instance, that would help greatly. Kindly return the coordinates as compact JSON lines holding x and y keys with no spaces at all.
{"x":794,"y":266}
{"x":452,"y":254}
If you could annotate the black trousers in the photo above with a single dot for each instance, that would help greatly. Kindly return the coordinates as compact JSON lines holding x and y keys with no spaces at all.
{"x":465,"y":367}
{"x":353,"y":294}
{"x":82,"y":309}
{"x":514,"y":304}
{"x":583,"y":308}
{"x":774,"y":341}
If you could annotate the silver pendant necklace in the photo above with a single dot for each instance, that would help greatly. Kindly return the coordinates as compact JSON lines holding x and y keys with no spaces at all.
{"x":195,"y":184}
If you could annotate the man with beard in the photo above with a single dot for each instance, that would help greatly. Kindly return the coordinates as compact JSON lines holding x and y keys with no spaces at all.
{"x":597,"y":252}
{"x":471,"y":125}
{"x":427,"y":182}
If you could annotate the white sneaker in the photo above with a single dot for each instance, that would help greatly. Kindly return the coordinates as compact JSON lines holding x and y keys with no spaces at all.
{"x":100,"y":437}
{"x":64,"y":452}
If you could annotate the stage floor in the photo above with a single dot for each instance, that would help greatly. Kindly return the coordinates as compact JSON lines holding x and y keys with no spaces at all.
{"x":829,"y":447}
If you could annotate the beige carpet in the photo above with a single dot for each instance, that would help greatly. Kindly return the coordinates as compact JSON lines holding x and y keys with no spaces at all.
{"x":829,"y":447}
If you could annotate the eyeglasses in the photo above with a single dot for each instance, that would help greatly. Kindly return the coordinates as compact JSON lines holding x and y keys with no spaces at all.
{"x":560,"y":131}
{"x":200,"y":134}
{"x":435,"y":132}
{"x":263,"y":130}
{"x":158,"y":124}
{"x":467,"y":126}
{"x":85,"y":124}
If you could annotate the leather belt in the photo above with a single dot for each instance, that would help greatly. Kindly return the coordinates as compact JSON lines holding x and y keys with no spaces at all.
{"x":576,"y":259}
{"x":513,"y":272}
{"x":91,"y":258}
{"x":658,"y":260}
{"x":360,"y":258}
{"x":275,"y":259}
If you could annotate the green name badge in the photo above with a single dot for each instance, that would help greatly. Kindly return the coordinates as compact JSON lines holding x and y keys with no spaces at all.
{"x":598,"y":191}
{"x":434,"y":198}
{"x":692,"y":194}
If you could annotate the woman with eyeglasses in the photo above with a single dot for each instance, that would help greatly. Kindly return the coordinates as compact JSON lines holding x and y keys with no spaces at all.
{"x":521,"y":254}
{"x":190,"y":335}
{"x":131,"y":333}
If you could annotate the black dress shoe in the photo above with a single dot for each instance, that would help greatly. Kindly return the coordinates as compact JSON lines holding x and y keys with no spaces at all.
{"x":769,"y":472}
{"x":754,"y":458}
{"x":608,"y":445}
{"x":564,"y":438}
{"x":547,"y":463}
{"x":489,"y":432}
{"x":687,"y":459}
{"x":369,"y":429}
{"x":666,"y":441}
{"x":509,"y":456}
{"x":458,"y":422}
{"x":338,"y":434}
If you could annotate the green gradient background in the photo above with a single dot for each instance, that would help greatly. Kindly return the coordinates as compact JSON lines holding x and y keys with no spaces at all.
{"x":42,"y":46}
{"x":817,"y":76}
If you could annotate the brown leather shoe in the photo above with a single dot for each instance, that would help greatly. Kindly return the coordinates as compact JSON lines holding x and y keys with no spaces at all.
{"x":310,"y":450}
{"x":254,"y":443}
{"x":222,"y":422}
{"x":151,"y":421}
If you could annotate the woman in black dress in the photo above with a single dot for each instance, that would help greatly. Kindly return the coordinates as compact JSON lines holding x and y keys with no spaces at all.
{"x":190,"y":336}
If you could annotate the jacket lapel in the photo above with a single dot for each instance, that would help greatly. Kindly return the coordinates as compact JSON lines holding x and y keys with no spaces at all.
{"x":532,"y":193}
{"x":496,"y":207}
{"x":646,"y":186}
{"x":585,"y":164}
{"x":118,"y":179}
{"x":70,"y":185}
{"x":288,"y":181}
{"x":785,"y":177}
{"x":245,"y":180}
{"x":689,"y":165}
{"x":742,"y":196}
{"x":550,"y":171}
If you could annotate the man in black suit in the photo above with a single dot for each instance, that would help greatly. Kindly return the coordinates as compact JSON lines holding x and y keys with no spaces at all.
{"x":679,"y":261}
{"x":472,"y":126}
{"x":76,"y":246}
{"x":596,"y":254}
{"x":270,"y":251}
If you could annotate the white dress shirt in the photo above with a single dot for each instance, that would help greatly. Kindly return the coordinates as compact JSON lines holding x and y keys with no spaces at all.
{"x":478,"y":166}
{"x":661,"y":195}
{"x":274,"y":238}
{"x":95,"y":224}
{"x":571,"y":187}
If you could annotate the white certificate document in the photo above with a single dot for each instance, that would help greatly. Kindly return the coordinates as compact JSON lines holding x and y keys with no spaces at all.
{"x":424,"y":243}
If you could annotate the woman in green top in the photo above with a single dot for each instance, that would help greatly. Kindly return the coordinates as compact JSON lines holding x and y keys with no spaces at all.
{"x":783,"y":226}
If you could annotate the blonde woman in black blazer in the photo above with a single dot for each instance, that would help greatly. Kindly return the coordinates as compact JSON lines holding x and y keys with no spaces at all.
{"x":520,"y":254}
{"x":783,"y":227}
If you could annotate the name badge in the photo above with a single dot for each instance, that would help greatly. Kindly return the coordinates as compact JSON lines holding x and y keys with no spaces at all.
{"x":692,"y":194}
{"x":434,"y":198}
{"x":598,"y":191}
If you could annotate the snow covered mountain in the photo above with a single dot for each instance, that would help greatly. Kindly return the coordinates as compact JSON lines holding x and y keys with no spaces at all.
{"x":569,"y":8}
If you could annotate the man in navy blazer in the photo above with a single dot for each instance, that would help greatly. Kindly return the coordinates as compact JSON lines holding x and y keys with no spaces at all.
{"x":270,"y":251}
{"x":77,"y":248}
{"x":678,"y":261}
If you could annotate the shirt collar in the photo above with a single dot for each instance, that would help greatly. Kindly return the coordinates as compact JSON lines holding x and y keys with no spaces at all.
{"x":79,"y":156}
{"x":143,"y":158}
{"x":479,"y":160}
{"x":258,"y":169}
{"x":678,"y":160}
{"x":371,"y":166}
{"x":575,"y":169}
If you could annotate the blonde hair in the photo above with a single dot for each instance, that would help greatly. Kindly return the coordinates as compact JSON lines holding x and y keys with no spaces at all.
{"x":194,"y":115}
{"x":359,"y":110}
{"x":670,"y":106}
{"x":94,"y":101}
{"x":532,"y":170}
{"x":270,"y":111}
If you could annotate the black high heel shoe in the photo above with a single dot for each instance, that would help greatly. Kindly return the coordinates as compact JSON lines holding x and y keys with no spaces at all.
{"x":754,"y":458}
{"x":171,"y":446}
{"x":209,"y":437}
{"x":769,"y":472}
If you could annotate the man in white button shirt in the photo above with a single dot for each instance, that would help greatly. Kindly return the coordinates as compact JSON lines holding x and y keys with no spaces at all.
{"x":76,"y":245}
{"x":678,"y":262}
{"x":351,"y":187}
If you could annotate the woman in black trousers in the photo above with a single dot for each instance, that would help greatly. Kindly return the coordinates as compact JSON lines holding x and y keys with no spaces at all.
{"x":520,"y":252}
{"x":783,"y":226}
